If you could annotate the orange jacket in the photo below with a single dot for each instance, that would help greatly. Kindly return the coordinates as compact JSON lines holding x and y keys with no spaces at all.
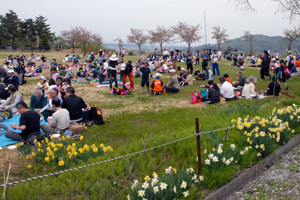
{"x":157,"y":85}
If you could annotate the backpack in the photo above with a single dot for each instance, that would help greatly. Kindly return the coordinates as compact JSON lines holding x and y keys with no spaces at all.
{"x":287,"y":71}
{"x":37,"y":136}
{"x":113,"y":91}
{"x":96,"y":115}
{"x":7,"y":112}
{"x":203,"y":93}
{"x":196,"y":97}
{"x":196,"y":72}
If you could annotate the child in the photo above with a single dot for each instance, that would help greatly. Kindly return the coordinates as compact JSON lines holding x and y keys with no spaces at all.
{"x":145,"y":75}
{"x":54,"y":74}
{"x":157,"y":85}
{"x":43,"y":84}
{"x":62,"y":72}
{"x":282,"y":74}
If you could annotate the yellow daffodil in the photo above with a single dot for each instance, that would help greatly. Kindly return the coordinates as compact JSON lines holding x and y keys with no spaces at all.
{"x":174,"y":170}
{"x":147,"y":178}
{"x":61,"y":163}
{"x":28,"y":166}
{"x":33,"y":154}
{"x":47,"y":159}
{"x":81,"y":137}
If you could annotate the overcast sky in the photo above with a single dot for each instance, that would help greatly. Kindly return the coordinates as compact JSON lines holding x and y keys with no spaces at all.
{"x":113,"y":19}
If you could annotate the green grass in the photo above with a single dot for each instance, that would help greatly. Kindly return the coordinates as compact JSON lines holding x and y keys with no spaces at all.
{"x":145,"y":121}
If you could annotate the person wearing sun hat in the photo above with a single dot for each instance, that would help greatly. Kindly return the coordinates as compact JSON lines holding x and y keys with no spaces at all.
{"x":157,"y":85}
{"x":11,"y":78}
{"x":43,"y":84}
{"x":249,"y":88}
{"x":113,"y":62}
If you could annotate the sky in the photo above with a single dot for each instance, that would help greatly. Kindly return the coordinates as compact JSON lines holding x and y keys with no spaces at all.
{"x":113,"y":19}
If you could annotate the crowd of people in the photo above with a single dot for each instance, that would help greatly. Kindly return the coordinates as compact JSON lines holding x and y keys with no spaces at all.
{"x":55,"y":101}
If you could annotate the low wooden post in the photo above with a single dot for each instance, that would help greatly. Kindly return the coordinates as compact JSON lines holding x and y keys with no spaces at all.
{"x":198,"y":146}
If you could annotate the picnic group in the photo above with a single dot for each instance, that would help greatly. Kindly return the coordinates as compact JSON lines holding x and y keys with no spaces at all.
{"x":54,"y":106}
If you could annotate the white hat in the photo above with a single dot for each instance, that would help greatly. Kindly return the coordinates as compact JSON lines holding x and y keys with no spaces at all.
{"x":113,"y":57}
{"x":43,"y":77}
{"x":10,"y":71}
{"x":123,"y":66}
{"x":172,"y":70}
{"x":157,"y":75}
{"x":182,"y":69}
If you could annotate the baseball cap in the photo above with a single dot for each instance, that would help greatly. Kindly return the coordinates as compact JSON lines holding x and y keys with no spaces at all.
{"x":173,"y":70}
{"x":10,"y":71}
{"x":10,"y":87}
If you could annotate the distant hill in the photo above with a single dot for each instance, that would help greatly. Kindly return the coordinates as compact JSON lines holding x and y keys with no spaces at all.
{"x":260,"y":43}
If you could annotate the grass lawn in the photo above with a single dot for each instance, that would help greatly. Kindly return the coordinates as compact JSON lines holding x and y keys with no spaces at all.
{"x":135,"y":122}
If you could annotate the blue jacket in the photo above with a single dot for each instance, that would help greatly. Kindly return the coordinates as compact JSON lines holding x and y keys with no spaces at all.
{"x":13,"y":80}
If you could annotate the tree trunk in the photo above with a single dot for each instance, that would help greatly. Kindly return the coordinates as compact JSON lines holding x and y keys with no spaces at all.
{"x":161,"y":49}
{"x":84,"y":47}
{"x":140,"y":50}
{"x":219,"y":46}
{"x":13,"y":43}
{"x":37,"y":41}
{"x":289,"y":45}
{"x":251,"y":48}
{"x":189,"y":46}
{"x":73,"y":47}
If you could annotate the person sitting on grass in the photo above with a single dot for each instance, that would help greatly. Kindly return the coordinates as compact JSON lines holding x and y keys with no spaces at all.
{"x":11,"y":78}
{"x":43,"y":84}
{"x":227,"y":90}
{"x":213,"y":93}
{"x":249,"y":88}
{"x":228,"y":79}
{"x":188,"y":80}
{"x":14,"y":98}
{"x":81,"y":74}
{"x":37,"y":100}
{"x":173,"y":85}
{"x":62,"y":72}
{"x":59,"y":121}
{"x":48,"y":110}
{"x":273,"y":88}
{"x":157,"y":85}
{"x":74,"y":105}
{"x":29,"y":124}
{"x":145,"y":76}
{"x":242,"y":80}
{"x":182,"y":76}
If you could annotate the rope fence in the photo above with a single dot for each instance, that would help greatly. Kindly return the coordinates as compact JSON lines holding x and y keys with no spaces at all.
{"x":113,"y":159}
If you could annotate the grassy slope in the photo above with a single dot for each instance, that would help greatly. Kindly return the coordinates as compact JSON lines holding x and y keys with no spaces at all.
{"x":136,"y":121}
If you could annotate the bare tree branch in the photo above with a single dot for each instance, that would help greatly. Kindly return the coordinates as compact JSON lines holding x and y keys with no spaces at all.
{"x":248,"y":37}
{"x":160,"y":35}
{"x":290,"y":36}
{"x":137,"y":37}
{"x":220,"y":35}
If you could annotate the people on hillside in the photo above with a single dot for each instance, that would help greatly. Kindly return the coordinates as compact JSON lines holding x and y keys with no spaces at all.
{"x":242,"y":80}
{"x":228,"y":79}
{"x":189,"y":61}
{"x":113,"y":63}
{"x":173,"y":85}
{"x":48,"y":110}
{"x":29,"y":124}
{"x":14,"y":98}
{"x":265,"y":66}
{"x":273,"y":88}
{"x":128,"y":73}
{"x":11,"y":78}
{"x":205,"y":58}
{"x":226,"y":90}
{"x":215,"y":63}
{"x":213,"y":93}
{"x":282,"y":74}
{"x":188,"y":80}
{"x":146,"y":73}
{"x":157,"y":85}
{"x":59,"y":121}
{"x":249,"y":88}
{"x":37,"y":100}
{"x":74,"y":105}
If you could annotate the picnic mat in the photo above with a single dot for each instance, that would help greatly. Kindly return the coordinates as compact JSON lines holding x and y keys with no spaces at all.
{"x":4,"y":141}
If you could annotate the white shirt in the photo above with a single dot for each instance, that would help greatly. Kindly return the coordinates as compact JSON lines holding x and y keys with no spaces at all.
{"x":105,"y":65}
{"x":227,"y":90}
{"x":214,"y":58}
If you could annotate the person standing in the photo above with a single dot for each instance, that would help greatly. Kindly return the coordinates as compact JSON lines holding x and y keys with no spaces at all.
{"x":29,"y":124}
{"x":189,"y":61}
{"x":215,"y":64}
{"x":205,"y":59}
{"x":265,"y":65}
{"x":289,"y":62}
{"x":128,"y":72}
{"x":282,"y":74}
{"x":145,"y":75}
{"x":113,"y":62}
{"x":197,"y":58}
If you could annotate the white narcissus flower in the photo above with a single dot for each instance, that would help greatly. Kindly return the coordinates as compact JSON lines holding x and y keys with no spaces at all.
{"x":211,"y":156}
{"x":141,"y":193}
{"x":201,"y":178}
{"x":242,"y":152}
{"x":186,"y":194}
{"x":145,"y":185}
{"x":183,"y":185}
{"x":163,"y":186}
{"x":155,"y":190}
{"x":174,"y":189}
{"x":194,"y":177}
{"x":224,"y":159}
{"x":154,"y":182}
{"x":232,"y":146}
{"x":215,"y":159}
{"x":205,"y":151}
{"x":207,"y":162}
{"x":231,"y":159}
{"x":128,"y":197}
{"x":220,"y":151}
